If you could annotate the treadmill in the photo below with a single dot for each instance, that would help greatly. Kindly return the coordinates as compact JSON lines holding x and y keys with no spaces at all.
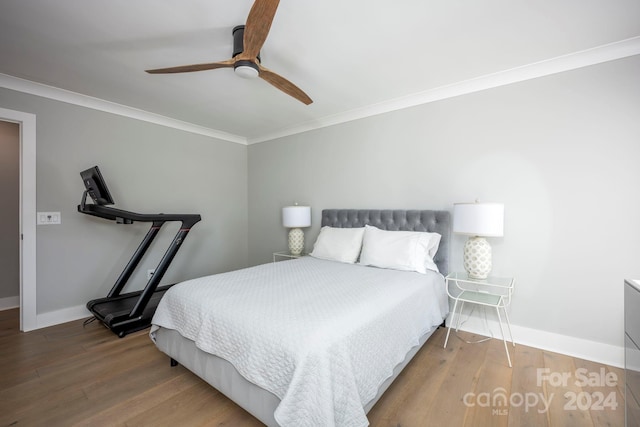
{"x":124,"y":313}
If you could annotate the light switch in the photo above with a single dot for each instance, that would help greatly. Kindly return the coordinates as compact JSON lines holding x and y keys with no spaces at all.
{"x":48,"y":218}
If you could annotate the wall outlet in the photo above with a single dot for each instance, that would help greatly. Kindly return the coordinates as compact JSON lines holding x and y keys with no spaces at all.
{"x":48,"y":218}
{"x":150,"y":273}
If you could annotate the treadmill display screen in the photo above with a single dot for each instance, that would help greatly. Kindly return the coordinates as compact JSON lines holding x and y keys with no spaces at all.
{"x":96,"y":187}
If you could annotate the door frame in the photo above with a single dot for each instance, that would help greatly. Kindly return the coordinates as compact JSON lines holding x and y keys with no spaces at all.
{"x":28,"y":300}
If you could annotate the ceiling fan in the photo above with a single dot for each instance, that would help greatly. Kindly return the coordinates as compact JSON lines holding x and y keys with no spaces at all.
{"x":247,"y":42}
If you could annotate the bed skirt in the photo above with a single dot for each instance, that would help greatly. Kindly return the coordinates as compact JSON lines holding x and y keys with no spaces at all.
{"x":221,"y":374}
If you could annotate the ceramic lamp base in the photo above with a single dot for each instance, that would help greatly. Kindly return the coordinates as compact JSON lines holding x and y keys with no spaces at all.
{"x":477,"y":257}
{"x":296,"y":241}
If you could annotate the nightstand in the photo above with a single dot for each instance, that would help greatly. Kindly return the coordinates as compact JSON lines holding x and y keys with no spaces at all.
{"x":284,"y":255}
{"x":491,"y":292}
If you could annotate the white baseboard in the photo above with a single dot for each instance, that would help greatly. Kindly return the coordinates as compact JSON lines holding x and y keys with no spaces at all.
{"x":9,"y":302}
{"x":607,"y":354}
{"x":577,"y":347}
{"x":62,"y":316}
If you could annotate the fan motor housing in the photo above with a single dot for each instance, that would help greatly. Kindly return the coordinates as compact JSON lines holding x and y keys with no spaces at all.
{"x":238,"y":41}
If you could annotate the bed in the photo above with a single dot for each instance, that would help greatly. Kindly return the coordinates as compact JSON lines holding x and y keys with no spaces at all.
{"x":312,"y":341}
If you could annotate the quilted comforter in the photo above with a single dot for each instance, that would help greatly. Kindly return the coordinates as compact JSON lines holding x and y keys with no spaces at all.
{"x":320,"y":335}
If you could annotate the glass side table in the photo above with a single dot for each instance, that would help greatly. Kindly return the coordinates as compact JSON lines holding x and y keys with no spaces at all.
{"x":491,"y":292}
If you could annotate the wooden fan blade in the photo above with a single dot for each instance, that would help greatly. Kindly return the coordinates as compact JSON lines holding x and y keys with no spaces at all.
{"x":194,"y":67}
{"x":257,"y":27}
{"x":284,"y":85}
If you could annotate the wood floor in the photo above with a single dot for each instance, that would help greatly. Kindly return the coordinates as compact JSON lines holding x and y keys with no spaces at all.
{"x":67,"y":375}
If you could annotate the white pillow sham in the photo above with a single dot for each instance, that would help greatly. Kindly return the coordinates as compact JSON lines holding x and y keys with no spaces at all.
{"x":338,"y":244}
{"x":399,"y":250}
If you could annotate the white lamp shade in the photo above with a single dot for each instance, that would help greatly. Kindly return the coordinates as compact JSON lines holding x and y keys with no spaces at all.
{"x":479,"y":219}
{"x":296,"y":216}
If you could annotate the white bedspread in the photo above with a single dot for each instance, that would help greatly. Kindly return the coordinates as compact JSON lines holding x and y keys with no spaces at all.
{"x":320,"y":335}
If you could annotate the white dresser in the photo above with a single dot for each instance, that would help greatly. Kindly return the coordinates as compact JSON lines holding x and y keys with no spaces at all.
{"x":632,"y":352}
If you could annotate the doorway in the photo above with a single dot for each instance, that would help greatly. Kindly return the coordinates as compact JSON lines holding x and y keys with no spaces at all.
{"x":27,"y":216}
{"x":9,"y":215}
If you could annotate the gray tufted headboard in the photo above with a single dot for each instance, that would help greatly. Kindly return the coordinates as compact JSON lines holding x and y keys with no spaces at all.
{"x":394,"y":220}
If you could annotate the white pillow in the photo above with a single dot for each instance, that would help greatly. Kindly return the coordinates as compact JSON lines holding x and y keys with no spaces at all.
{"x":399,"y":250}
{"x":338,"y":244}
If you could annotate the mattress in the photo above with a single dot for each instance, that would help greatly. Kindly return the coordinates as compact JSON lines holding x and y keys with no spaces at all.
{"x":320,"y":337}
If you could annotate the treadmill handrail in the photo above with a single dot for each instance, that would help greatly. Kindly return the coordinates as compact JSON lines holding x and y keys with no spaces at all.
{"x":115,"y":214}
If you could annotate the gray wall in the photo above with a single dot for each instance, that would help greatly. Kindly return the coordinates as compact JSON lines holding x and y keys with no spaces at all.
{"x":561,"y":152}
{"x":9,"y":214}
{"x":148,"y":168}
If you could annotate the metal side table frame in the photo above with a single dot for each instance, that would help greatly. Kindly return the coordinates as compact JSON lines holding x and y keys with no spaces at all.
{"x":491,"y":292}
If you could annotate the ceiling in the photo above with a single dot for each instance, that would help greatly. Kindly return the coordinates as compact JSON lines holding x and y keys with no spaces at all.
{"x":353,"y":58}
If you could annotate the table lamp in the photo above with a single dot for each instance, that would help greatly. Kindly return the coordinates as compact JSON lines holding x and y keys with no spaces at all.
{"x":478,"y":220}
{"x":296,"y":217}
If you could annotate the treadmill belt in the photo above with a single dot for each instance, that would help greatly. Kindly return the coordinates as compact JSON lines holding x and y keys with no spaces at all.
{"x":112,"y":311}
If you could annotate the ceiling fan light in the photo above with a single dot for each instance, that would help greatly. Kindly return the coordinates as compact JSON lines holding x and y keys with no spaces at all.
{"x":246,"y":71}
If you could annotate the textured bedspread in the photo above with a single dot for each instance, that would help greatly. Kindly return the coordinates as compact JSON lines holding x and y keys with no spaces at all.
{"x":320,"y":335}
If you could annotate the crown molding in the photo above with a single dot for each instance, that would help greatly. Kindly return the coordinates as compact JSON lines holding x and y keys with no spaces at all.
{"x":580,"y":59}
{"x":604,"y":53}
{"x":63,"y":95}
